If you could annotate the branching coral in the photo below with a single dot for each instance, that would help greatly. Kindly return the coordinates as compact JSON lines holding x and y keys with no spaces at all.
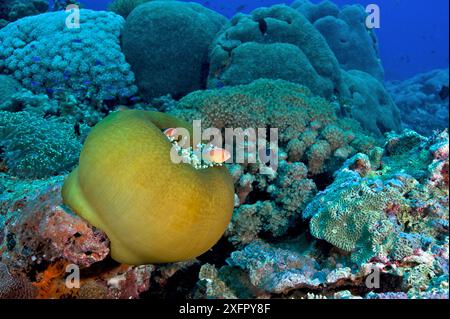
{"x":34,"y":147}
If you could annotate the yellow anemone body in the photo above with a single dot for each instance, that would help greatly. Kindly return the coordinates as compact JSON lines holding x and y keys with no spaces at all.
{"x":152,"y":209}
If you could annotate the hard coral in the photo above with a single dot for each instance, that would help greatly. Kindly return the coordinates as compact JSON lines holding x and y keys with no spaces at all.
{"x":280,"y":34}
{"x":423,"y":101}
{"x":166,"y":43}
{"x":354,"y":45}
{"x":394,"y":212}
{"x":34,"y":147}
{"x":46,"y":56}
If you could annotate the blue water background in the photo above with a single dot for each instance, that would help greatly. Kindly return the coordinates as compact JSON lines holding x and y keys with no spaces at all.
{"x":413,"y":35}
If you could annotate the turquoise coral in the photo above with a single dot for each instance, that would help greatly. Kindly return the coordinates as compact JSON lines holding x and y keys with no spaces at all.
{"x":47,"y":57}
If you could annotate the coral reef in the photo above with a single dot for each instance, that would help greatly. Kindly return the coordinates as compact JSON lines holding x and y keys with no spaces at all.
{"x":46,"y":56}
{"x":280,"y":43}
{"x":124,"y":7}
{"x":36,"y":147}
{"x":39,"y":240}
{"x":423,"y":101}
{"x":288,"y":191}
{"x":166,"y":43}
{"x":389,"y":212}
{"x":354,"y":45}
{"x":275,"y":43}
{"x":307,"y":125}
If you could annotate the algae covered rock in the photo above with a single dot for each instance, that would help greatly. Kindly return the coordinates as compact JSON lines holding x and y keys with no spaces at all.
{"x":166,"y":43}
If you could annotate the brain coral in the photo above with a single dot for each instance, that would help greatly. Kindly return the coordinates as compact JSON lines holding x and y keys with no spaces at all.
{"x":34,"y":147}
{"x":280,"y":43}
{"x":354,"y":45}
{"x":46,"y":56}
{"x":166,"y":43}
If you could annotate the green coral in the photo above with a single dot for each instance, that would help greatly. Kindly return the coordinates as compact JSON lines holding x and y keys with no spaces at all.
{"x":34,"y":147}
{"x":351,"y":213}
{"x":263,"y":103}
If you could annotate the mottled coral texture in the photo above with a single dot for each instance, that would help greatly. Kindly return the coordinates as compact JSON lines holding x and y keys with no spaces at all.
{"x":392,"y":211}
{"x":275,"y":43}
{"x":46,"y":56}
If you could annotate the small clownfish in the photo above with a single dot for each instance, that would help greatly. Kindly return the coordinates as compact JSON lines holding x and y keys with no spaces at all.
{"x":218,"y":155}
{"x":171,"y":132}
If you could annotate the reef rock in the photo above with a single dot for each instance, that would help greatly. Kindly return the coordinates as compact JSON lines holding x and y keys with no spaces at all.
{"x":166,"y":43}
{"x":370,"y":104}
{"x":12,"y":10}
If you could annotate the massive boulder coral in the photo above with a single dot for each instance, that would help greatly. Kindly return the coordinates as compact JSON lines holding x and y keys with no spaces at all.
{"x":423,"y":101}
{"x":46,"y":56}
{"x":354,"y":45}
{"x":280,"y":43}
{"x":166,"y":43}
{"x":370,"y":104}
{"x":34,"y":147}
{"x":391,"y":212}
{"x":275,"y":43}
